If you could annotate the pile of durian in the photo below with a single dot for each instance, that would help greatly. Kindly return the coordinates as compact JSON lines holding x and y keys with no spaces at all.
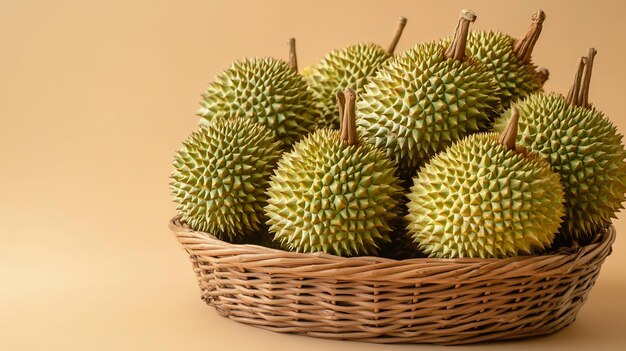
{"x":450,"y":149}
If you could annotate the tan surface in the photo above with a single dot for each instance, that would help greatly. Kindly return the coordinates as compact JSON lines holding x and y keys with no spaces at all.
{"x":95,"y":96}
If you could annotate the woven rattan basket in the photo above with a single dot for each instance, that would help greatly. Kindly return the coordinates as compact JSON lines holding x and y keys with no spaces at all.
{"x":373,"y":299}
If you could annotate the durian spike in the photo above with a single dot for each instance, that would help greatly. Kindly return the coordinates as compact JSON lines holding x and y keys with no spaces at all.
{"x":348,"y":123}
{"x":583,"y":95}
{"x":293,"y":59}
{"x":523,"y":46}
{"x":341,"y":104}
{"x":457,"y":47}
{"x":543,"y":75}
{"x":572,"y":96}
{"x":396,"y":35}
{"x":509,"y":134}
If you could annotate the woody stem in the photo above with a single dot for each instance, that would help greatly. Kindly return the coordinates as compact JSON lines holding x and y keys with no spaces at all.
{"x":509,"y":135}
{"x":456,"y":50}
{"x":396,"y":35}
{"x":293,"y":58}
{"x":348,"y":124}
{"x":523,"y":46}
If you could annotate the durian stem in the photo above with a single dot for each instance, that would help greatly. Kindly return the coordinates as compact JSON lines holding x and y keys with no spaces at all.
{"x":341,"y":104}
{"x":396,"y":35}
{"x":583,"y":96}
{"x":543,"y":75}
{"x":348,"y":123}
{"x":293,"y":58}
{"x":572,"y":96}
{"x":509,"y":135}
{"x":523,"y":46}
{"x":459,"y":41}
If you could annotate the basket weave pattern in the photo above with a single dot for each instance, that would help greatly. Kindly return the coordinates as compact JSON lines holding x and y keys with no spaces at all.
{"x":373,"y":299}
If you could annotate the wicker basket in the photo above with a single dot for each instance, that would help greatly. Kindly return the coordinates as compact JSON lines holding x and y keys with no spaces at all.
{"x":373,"y":299}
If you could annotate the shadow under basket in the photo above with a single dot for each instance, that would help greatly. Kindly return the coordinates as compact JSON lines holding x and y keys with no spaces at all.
{"x":374,"y":299}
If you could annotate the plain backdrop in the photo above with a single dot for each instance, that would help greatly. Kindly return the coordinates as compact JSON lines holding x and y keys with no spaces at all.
{"x":95,"y":98}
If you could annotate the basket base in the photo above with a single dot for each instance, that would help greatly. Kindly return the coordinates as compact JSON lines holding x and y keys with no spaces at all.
{"x":408,"y":337}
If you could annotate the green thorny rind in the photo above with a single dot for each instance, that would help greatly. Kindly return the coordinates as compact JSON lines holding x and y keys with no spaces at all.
{"x":221,"y":174}
{"x":327,"y":195}
{"x":342,"y":69}
{"x":517,"y":79}
{"x":481,"y":199}
{"x":267,"y":91}
{"x":584,"y":147}
{"x":420,"y":103}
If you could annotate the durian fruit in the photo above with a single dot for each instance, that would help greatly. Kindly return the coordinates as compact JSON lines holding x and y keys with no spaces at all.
{"x":421,"y":102}
{"x":333,"y":193}
{"x":266,"y":90}
{"x":510,"y":59}
{"x":307,"y":72}
{"x":583,"y":146}
{"x":221,"y":174}
{"x":349,"y":67}
{"x":485,"y":197}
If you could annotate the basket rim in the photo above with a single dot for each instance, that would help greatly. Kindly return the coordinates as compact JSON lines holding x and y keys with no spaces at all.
{"x":604,"y":238}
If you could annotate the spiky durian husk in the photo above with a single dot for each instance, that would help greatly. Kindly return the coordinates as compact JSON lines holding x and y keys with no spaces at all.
{"x":481,"y":199}
{"x":495,"y":50}
{"x":266,"y":90}
{"x":221,"y":173}
{"x":307,"y":72}
{"x":584,"y":147}
{"x":326,"y":195}
{"x":419,"y":103}
{"x":340,"y":70}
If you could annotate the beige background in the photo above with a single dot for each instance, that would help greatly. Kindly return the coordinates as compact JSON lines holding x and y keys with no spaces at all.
{"x":95,"y":97}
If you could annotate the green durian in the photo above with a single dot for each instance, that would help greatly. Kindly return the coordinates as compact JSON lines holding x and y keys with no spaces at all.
{"x":346,"y":68}
{"x":421,"y":102}
{"x":332,"y":193}
{"x":485,"y":197}
{"x":510,"y":59}
{"x":266,"y":90}
{"x":221,"y":174}
{"x":307,"y":72}
{"x":583,"y":146}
